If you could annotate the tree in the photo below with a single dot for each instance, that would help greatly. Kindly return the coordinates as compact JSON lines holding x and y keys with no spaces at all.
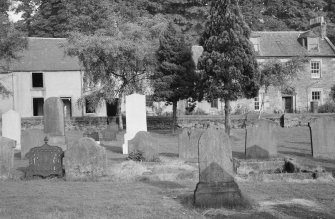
{"x":116,"y":62}
{"x":280,"y":75}
{"x":11,"y":42}
{"x":228,"y":63}
{"x":175,"y":76}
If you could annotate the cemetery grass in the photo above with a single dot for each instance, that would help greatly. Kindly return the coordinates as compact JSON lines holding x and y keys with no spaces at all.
{"x":165,"y":189}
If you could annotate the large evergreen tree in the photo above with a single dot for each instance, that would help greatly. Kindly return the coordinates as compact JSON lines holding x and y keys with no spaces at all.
{"x":228,"y":62}
{"x":175,"y":77}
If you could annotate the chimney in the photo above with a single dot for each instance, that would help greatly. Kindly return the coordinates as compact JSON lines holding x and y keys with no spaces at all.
{"x":321,"y":24}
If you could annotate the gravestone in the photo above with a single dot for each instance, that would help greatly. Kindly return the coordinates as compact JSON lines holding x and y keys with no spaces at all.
{"x":188,"y":142}
{"x":54,"y":123}
{"x":136,"y":119}
{"x":322,"y":132}
{"x":72,"y":136}
{"x":261,"y":141}
{"x":11,"y":127}
{"x":109,"y":133}
{"x":31,"y":138}
{"x":85,"y":159}
{"x":146,"y":144}
{"x":216,"y":186}
{"x":7,"y":147}
{"x":92,"y":134}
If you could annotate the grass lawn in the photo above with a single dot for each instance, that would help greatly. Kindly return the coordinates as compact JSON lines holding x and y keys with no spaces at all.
{"x":165,"y":189}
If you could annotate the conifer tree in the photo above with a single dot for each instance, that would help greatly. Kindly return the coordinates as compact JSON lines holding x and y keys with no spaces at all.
{"x":175,"y":77}
{"x":228,"y":63}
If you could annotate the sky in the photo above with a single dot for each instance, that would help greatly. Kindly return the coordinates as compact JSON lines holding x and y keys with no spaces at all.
{"x":14,"y":17}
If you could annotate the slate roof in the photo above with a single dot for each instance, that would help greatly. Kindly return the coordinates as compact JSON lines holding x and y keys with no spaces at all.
{"x":285,"y":44}
{"x":45,"y":54}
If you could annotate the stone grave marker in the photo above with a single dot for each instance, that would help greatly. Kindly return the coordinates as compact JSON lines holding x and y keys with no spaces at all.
{"x":261,"y":141}
{"x":54,"y":123}
{"x":188,"y":142}
{"x":136,"y":119}
{"x":7,"y":147}
{"x":85,"y":159}
{"x":216,"y":186}
{"x":146,"y":144}
{"x":322,"y":132}
{"x":72,"y":136}
{"x":109,"y":133}
{"x":31,"y":138}
{"x":11,"y":127}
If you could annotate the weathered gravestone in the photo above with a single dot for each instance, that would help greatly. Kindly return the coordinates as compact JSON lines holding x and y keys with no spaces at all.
{"x":136,"y":119}
{"x":109,"y":133}
{"x":11,"y":127}
{"x":216,"y":186}
{"x":72,"y":136}
{"x":261,"y":142}
{"x":323,"y":137}
{"x":92,"y":134}
{"x":145,"y":144}
{"x":31,"y":138}
{"x":54,"y":124}
{"x":188,"y":142}
{"x":7,"y":147}
{"x":85,"y":159}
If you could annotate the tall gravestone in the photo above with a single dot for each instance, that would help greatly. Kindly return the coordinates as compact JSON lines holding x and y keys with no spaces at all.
{"x":188,"y":142}
{"x":322,"y":132}
{"x":54,"y":123}
{"x":216,"y":186}
{"x":31,"y":138}
{"x":11,"y":127}
{"x":261,"y":141}
{"x":136,"y":119}
{"x":7,"y":147}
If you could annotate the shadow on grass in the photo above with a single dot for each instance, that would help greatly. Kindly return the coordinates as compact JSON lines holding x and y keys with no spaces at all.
{"x":169,"y":155}
{"x":301,"y":212}
{"x":309,"y":150}
{"x":162,"y":184}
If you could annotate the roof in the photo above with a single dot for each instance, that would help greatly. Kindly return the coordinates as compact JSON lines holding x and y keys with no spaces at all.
{"x":45,"y":54}
{"x":285,"y":44}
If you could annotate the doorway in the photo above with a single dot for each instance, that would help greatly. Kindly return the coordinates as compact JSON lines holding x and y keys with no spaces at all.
{"x":112,"y":108}
{"x":287,"y":104}
{"x":67,"y":106}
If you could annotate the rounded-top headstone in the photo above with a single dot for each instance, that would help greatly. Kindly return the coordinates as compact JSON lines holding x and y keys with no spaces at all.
{"x":54,"y":124}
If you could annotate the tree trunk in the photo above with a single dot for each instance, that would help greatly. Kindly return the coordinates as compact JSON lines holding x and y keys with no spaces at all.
{"x":174,"y":116}
{"x":119,"y":113}
{"x":227,"y":116}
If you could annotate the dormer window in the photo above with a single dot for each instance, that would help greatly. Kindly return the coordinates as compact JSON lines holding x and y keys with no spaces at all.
{"x":313,"y":44}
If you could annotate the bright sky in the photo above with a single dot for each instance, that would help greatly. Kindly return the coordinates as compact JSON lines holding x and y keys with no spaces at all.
{"x":14,"y":17}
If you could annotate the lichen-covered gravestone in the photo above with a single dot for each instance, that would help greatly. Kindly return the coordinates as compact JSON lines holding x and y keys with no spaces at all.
{"x":261,"y":141}
{"x":31,"y":138}
{"x":146,"y":144}
{"x":188,"y":142}
{"x":216,"y":186}
{"x":136,"y":119}
{"x":85,"y":159}
{"x":11,"y":127}
{"x":7,"y":147}
{"x":323,"y":137}
{"x":54,"y":124}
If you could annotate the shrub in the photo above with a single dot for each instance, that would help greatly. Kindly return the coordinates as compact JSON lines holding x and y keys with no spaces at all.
{"x":328,"y":107}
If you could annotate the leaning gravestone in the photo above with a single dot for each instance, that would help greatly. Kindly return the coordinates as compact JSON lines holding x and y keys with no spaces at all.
{"x":11,"y":127}
{"x":54,"y":123}
{"x":261,"y":142}
{"x":188,"y":142}
{"x":136,"y":119}
{"x":145,"y":144}
{"x":85,"y":159}
{"x":7,"y":147}
{"x":31,"y":138}
{"x":216,"y":186}
{"x":323,"y":137}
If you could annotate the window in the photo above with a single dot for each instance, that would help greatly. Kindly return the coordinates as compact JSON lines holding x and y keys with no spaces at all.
{"x":214,"y":103}
{"x":256,"y":47}
{"x":37,"y":80}
{"x":316,"y":69}
{"x":88,"y":109}
{"x":316,"y":95}
{"x":256,"y":103}
{"x":38,"y":104}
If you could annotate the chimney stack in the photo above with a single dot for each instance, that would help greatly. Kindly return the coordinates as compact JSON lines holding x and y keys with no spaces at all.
{"x":319,"y":21}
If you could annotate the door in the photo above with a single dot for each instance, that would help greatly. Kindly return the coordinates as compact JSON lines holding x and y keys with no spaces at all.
{"x":67,"y":106}
{"x":288,"y":104}
{"x":112,"y":108}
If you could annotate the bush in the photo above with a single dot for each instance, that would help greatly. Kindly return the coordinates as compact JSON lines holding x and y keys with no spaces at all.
{"x":328,"y":107}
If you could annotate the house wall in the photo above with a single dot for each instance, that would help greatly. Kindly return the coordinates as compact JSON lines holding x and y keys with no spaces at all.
{"x":56,"y":84}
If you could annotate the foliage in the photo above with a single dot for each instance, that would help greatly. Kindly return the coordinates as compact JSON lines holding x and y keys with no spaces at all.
{"x":328,"y":107}
{"x":228,"y":63}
